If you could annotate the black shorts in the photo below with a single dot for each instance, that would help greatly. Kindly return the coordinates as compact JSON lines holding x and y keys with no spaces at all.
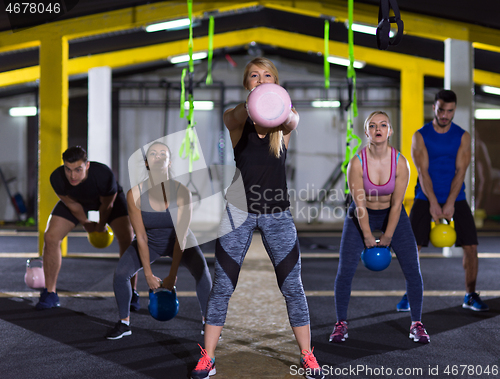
{"x":420,"y":219}
{"x":119,"y":209}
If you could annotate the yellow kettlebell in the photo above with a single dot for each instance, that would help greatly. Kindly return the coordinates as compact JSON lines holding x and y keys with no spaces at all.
{"x":443,"y":235}
{"x":101,"y":240}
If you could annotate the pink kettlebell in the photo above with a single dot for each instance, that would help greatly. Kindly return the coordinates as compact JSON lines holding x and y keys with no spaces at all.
{"x":34,"y":277}
{"x":268,"y":105}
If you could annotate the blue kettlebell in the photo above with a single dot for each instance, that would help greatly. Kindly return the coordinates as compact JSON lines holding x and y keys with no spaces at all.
{"x":163,"y":304}
{"x":376,"y":258}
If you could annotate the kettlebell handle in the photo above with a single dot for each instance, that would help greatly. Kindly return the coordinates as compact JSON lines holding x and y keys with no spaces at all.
{"x":377,"y":240}
{"x":442,"y":221}
{"x":174,"y":291}
{"x":28,"y":261}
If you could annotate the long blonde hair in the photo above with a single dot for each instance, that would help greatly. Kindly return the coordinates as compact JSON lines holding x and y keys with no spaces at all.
{"x":276,"y":142}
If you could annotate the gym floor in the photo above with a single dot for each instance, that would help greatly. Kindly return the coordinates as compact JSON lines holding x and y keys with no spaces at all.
{"x":257,"y":341}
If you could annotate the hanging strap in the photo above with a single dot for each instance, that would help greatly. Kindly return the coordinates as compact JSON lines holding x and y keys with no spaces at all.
{"x":189,"y":146}
{"x":384,"y":24}
{"x":326,"y":54}
{"x":190,"y":42}
{"x":352,"y":106}
{"x":209,"y":80}
{"x":183,"y":93}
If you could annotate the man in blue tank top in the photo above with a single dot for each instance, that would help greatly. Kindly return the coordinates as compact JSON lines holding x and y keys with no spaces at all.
{"x":441,"y":151}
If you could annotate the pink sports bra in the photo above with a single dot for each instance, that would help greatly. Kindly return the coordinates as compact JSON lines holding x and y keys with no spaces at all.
{"x":374,"y":189}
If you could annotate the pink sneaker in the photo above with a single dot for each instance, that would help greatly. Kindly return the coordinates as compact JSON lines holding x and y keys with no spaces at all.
{"x":339,"y":333}
{"x":205,"y":367}
{"x":310,"y":365}
{"x":419,"y":334}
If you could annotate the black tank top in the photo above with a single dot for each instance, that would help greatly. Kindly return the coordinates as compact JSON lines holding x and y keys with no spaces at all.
{"x":264,"y":175}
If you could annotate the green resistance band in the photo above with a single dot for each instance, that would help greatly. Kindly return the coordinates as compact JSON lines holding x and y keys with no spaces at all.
{"x":189,"y":146}
{"x":209,"y":80}
{"x":352,"y":111}
{"x":190,"y":43}
{"x":326,"y":54}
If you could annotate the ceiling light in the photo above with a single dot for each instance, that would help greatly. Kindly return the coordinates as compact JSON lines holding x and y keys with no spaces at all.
{"x":200,"y":105}
{"x":169,"y":25}
{"x":367,"y":29}
{"x":345,"y":62}
{"x":492,"y":90}
{"x":326,"y":104}
{"x":22,"y":111}
{"x":185,"y":58}
{"x":487,"y":114}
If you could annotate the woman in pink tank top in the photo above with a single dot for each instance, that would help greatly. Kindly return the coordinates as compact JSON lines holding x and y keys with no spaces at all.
{"x":377,"y":179}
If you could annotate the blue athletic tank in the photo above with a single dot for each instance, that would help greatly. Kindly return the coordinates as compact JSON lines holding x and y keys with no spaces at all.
{"x":442,"y":150}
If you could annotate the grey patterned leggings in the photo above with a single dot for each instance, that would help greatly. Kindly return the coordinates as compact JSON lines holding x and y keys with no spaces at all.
{"x":280,"y":240}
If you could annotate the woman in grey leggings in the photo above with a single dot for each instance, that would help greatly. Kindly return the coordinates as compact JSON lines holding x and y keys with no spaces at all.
{"x":161,"y":230}
{"x":260,"y":155}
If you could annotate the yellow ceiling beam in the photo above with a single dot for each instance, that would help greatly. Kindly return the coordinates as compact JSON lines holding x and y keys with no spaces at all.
{"x":482,"y":46}
{"x":20,"y":76}
{"x":286,"y":40}
{"x":486,"y":78}
{"x":374,"y":57}
{"x":114,"y":21}
{"x":140,"y":16}
{"x":20,"y":46}
{"x":417,"y":25}
{"x":278,"y":38}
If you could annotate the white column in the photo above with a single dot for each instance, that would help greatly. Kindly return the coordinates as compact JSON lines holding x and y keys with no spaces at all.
{"x":99,"y":116}
{"x":459,"y":77}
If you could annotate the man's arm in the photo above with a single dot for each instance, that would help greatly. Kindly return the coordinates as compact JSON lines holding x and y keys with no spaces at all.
{"x":77,"y":210}
{"x":462,"y":163}
{"x":421,"y":159}
{"x":104,"y":211}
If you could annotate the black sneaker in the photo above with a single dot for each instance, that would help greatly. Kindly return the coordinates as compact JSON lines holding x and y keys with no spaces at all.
{"x":120,"y":330}
{"x":134,"y":303}
{"x":47,"y":300}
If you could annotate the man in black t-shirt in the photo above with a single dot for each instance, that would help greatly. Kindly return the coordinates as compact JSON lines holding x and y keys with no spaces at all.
{"x":82,"y":186}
